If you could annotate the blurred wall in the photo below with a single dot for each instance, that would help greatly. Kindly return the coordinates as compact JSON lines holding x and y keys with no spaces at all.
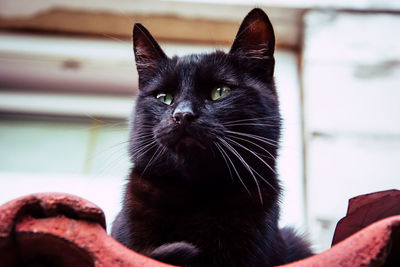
{"x":351,"y":99}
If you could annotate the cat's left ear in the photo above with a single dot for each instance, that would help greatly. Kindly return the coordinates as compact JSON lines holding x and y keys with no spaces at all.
{"x":255,"y":38}
{"x":148,"y":53}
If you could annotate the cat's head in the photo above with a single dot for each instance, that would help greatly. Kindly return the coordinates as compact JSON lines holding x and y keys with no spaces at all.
{"x":216,"y":111}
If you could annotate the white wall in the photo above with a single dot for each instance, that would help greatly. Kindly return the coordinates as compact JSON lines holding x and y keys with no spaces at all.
{"x":351,"y":88}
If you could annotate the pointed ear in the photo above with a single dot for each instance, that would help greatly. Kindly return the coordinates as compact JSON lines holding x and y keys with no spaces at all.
{"x":148,"y":52}
{"x":255,"y":38}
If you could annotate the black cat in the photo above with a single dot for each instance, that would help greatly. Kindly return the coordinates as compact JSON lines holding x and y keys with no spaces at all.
{"x":203,"y":190}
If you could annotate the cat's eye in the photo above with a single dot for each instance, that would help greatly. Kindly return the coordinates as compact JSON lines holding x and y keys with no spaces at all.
{"x":166,"y":98}
{"x":219,"y":91}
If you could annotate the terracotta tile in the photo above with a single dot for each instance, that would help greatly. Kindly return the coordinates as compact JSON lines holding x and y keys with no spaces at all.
{"x":65,"y":230}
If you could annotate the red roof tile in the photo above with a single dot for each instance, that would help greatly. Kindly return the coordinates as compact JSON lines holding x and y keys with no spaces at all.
{"x":65,"y":230}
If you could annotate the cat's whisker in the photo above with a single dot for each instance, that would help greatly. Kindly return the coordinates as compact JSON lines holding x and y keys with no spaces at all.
{"x":110,"y":157}
{"x":220,"y":149}
{"x":247,"y":166}
{"x":255,"y":144}
{"x":112,"y":163}
{"x":146,"y":124}
{"x":251,"y":124}
{"x":117,"y":145}
{"x":142,"y":137}
{"x":238,"y":144}
{"x":155,"y":156}
{"x":145,"y":152}
{"x":252,"y":152}
{"x":99,"y":124}
{"x":253,"y":119}
{"x":265,"y":140}
{"x":147,"y":128}
{"x":144,"y":141}
{"x":259,"y":175}
{"x":264,"y":180}
{"x":116,"y":124}
{"x":234,"y":168}
{"x":143,"y":145}
{"x":115,"y":38}
{"x":127,"y":16}
{"x":151,"y":159}
{"x":115,"y":151}
{"x":145,"y":148}
{"x":144,"y":132}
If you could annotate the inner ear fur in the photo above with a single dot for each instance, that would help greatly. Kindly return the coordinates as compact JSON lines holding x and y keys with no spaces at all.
{"x":255,"y":37}
{"x":148,"y":52}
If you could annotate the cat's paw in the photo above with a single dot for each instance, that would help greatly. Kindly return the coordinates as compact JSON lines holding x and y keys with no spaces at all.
{"x":177,"y":253}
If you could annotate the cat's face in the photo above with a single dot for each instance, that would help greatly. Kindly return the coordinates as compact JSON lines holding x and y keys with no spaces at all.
{"x":207,"y":110}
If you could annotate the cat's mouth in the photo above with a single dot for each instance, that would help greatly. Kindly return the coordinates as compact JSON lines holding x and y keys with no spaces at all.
{"x":182,"y":140}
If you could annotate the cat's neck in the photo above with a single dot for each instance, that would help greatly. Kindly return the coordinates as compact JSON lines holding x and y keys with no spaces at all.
{"x":170,"y":191}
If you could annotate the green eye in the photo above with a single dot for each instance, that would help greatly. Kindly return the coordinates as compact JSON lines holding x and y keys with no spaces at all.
{"x":166,"y":98}
{"x":220,"y":91}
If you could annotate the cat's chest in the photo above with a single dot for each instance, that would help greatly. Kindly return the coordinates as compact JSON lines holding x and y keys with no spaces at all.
{"x":220,"y":236}
{"x":195,"y":221}
{"x":169,"y":214}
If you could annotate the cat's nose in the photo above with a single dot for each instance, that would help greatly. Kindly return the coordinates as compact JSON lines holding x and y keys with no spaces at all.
{"x":183,"y":117}
{"x":184,"y":113}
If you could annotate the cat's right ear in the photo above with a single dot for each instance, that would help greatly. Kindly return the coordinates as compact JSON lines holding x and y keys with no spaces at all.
{"x":148,"y":53}
{"x":256,"y":40}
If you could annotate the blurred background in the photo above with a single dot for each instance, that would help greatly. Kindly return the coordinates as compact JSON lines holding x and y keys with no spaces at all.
{"x":68,"y":84}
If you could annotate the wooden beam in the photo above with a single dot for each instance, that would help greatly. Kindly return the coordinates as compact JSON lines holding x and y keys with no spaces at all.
{"x":163,"y":27}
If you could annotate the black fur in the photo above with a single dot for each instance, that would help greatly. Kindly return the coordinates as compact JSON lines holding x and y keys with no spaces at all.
{"x":178,"y":253}
{"x":203,"y":189}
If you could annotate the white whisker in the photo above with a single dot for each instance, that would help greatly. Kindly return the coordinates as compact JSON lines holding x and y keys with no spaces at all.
{"x":257,"y":145}
{"x":257,"y":137}
{"x":143,"y":137}
{"x":238,"y":144}
{"x":251,"y":124}
{"x":153,"y":158}
{"x":226,"y":162}
{"x":252,"y":119}
{"x":144,"y":149}
{"x":237,"y":173}
{"x":247,"y":166}
{"x":252,"y":152}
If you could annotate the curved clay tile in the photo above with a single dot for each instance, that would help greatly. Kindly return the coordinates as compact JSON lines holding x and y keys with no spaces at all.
{"x":64,"y":230}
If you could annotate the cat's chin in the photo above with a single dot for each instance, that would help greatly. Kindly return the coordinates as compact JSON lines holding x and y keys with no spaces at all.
{"x":188,"y":144}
